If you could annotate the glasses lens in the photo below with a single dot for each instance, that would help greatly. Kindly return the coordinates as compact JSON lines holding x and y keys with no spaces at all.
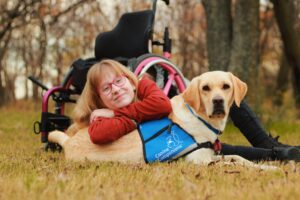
{"x":106,"y":89}
{"x":119,"y":81}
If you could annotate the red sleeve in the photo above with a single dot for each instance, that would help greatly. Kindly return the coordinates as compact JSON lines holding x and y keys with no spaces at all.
{"x":152,"y":104}
{"x":104,"y":130}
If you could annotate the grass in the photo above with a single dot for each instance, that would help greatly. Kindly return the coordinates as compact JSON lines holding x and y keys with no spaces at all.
{"x":28,"y":172}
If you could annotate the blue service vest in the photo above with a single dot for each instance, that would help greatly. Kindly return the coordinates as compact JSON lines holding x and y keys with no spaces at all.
{"x":164,"y":140}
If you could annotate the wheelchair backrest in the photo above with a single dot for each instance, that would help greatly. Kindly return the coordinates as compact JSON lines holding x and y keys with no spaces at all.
{"x":128,"y":39}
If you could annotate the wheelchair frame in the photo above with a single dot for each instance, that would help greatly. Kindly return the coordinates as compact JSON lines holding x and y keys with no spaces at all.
{"x":58,"y":121}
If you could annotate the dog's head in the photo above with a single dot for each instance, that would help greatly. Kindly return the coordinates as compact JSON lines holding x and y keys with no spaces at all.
{"x":212,"y":93}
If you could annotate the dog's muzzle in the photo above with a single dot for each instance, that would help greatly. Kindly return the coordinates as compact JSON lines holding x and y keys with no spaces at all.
{"x":218,"y":108}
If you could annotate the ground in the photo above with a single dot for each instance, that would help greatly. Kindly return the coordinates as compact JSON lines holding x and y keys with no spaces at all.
{"x":28,"y":172}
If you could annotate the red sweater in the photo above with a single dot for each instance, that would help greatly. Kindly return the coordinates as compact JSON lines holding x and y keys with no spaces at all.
{"x":152,"y":104}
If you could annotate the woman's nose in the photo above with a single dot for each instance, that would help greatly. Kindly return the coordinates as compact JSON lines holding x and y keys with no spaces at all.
{"x":114,"y":88}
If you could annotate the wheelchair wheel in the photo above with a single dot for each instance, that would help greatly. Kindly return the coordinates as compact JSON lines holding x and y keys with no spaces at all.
{"x":174,"y":77}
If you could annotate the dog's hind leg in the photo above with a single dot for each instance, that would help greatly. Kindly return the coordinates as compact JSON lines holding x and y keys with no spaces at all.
{"x":234,"y":159}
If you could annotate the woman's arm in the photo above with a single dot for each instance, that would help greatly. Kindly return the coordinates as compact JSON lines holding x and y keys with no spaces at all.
{"x":102,"y":112}
{"x":152,"y":104}
{"x":103,"y":130}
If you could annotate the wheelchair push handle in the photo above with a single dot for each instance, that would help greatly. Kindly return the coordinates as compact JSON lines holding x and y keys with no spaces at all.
{"x":41,"y":85}
{"x":37,"y":82}
{"x":167,"y":41}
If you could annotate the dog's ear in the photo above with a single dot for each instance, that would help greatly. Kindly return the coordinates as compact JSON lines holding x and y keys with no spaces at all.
{"x":239,"y":89}
{"x":192,"y":94}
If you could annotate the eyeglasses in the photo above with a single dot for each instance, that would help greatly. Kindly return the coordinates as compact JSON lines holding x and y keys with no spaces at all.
{"x":118,"y":81}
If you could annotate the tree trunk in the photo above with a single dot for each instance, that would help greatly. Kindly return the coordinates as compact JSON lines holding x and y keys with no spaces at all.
{"x":245,"y":48}
{"x":2,"y":89}
{"x":287,"y":18}
{"x":43,"y":45}
{"x":296,"y":86}
{"x":282,"y":81}
{"x":184,"y":43}
{"x":244,"y":53}
{"x":219,"y":33}
{"x":3,"y":49}
{"x":233,"y":44}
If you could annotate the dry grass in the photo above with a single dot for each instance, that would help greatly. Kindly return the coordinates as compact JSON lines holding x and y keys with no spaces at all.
{"x":27,"y":172}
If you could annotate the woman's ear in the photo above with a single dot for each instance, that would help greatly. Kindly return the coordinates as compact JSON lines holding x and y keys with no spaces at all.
{"x":192,"y":96}
{"x":239,"y":89}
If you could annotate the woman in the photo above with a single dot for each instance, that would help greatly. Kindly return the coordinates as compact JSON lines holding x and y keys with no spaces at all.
{"x":113,"y":101}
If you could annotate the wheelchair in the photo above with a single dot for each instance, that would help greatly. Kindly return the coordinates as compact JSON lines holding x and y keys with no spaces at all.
{"x":129,"y":43}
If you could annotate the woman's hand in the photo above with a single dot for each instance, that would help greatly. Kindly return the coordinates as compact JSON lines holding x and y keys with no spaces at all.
{"x":103,"y":112}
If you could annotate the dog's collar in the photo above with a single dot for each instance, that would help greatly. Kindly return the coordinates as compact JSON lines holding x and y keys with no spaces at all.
{"x":216,"y":131}
{"x":216,"y":146}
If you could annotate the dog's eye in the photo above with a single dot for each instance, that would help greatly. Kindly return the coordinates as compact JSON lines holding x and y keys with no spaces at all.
{"x":226,"y":86}
{"x":205,"y":88}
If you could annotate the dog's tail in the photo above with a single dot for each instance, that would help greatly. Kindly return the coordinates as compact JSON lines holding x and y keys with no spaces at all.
{"x":58,"y":137}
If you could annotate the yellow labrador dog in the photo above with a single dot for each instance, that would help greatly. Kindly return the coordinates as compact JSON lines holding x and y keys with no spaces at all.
{"x":200,"y":110}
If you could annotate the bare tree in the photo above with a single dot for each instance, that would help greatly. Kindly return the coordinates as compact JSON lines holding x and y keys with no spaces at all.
{"x":17,"y":16}
{"x":233,"y":37}
{"x":12,"y":16}
{"x":219,"y":33}
{"x":244,"y":52}
{"x":189,"y":35}
{"x":287,"y":15}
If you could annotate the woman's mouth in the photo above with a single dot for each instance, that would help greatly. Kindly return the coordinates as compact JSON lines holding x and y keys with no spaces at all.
{"x":118,"y":97}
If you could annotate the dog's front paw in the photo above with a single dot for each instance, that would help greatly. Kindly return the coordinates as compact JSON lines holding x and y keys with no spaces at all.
{"x":201,"y":157}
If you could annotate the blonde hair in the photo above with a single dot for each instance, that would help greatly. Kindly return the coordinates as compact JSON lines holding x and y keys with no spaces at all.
{"x":89,"y":99}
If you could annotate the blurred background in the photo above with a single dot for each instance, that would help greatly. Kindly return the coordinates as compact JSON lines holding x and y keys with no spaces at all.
{"x":257,"y":40}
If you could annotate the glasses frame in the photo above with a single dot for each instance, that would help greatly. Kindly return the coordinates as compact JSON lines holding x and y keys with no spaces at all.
{"x":113,"y":82}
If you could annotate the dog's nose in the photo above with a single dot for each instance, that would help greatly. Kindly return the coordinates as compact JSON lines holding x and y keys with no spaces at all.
{"x":218,"y":101}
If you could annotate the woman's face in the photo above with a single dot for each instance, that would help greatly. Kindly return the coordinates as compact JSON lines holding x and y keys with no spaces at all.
{"x":115,"y":91}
